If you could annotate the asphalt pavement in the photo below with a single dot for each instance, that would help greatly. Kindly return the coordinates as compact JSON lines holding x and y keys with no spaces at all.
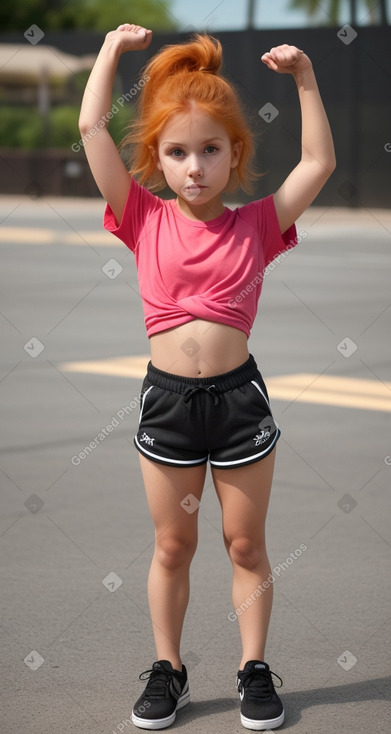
{"x":75,"y":535}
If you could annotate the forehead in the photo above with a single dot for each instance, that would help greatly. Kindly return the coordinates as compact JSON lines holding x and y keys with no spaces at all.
{"x":192,"y":126}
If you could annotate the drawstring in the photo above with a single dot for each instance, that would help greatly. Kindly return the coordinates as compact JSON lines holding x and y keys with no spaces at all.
{"x":211,"y":389}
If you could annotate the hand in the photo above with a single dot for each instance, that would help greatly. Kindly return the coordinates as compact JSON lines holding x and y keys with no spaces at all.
{"x":286,"y":59}
{"x":130,"y":37}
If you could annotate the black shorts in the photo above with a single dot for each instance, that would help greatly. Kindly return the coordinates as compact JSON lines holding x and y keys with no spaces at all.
{"x":226,"y":418}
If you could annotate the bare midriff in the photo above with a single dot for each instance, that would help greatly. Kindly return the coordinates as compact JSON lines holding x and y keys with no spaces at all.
{"x":199,"y":349}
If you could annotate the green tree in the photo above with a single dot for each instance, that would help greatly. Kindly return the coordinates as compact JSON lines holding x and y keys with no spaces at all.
{"x":94,"y":15}
{"x":376,"y":10}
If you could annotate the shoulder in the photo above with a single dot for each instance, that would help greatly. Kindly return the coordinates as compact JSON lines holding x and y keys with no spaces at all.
{"x":258,"y":215}
{"x":140,"y":205}
{"x":140,"y":195}
{"x":263,"y":206}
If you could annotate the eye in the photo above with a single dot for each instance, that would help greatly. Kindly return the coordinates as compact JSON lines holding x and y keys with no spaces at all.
{"x":211,"y":148}
{"x":176,"y":152}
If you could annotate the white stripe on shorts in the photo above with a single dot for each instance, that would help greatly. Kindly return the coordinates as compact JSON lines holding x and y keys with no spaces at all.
{"x":260,"y":390}
{"x":145,"y":452}
{"x":143,"y":401}
{"x":247,"y":458}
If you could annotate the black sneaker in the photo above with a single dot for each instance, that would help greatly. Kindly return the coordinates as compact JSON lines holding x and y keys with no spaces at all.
{"x":167,"y":691}
{"x":261,"y":708}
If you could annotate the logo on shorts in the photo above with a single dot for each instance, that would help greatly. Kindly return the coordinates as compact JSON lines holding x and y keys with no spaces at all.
{"x":147,"y":439}
{"x":266,"y":429}
{"x":261,"y":437}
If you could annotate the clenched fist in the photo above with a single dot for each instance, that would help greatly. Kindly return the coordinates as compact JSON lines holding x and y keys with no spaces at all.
{"x":130,"y":37}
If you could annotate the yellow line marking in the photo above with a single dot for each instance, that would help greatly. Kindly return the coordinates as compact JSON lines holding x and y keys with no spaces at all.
{"x":34,"y":236}
{"x":112,"y":367}
{"x":347,"y":392}
{"x":47,"y":236}
{"x":93,"y":237}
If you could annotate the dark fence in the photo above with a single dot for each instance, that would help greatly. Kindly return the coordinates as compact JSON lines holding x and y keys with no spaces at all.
{"x":354,"y":78}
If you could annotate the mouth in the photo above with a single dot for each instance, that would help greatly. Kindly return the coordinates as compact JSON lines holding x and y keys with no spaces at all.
{"x":191,"y":190}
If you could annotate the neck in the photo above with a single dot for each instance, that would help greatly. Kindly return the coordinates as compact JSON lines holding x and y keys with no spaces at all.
{"x":201,"y":212}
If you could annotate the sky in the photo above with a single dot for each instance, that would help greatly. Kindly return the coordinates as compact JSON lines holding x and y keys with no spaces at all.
{"x":215,"y":15}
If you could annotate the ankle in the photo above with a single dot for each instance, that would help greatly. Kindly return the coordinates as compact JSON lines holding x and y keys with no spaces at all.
{"x":243,"y":661}
{"x":175,"y":661}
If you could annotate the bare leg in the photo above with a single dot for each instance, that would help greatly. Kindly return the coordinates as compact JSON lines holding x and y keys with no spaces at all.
{"x":175,"y":545}
{"x":244,"y":497}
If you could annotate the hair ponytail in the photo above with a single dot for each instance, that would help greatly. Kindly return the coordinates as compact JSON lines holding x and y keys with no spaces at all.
{"x":176,"y":76}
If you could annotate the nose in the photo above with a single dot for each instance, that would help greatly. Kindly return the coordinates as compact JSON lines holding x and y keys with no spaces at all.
{"x":194,"y":168}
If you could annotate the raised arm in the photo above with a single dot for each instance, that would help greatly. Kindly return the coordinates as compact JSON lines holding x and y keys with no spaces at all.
{"x":107,"y":168}
{"x":317,"y":150}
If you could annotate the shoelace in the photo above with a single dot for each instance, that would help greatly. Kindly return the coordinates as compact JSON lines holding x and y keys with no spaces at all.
{"x":158,"y":681}
{"x":260,"y":681}
{"x":211,"y":389}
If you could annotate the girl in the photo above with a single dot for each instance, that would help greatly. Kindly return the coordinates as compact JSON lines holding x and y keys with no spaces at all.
{"x":203,"y":397}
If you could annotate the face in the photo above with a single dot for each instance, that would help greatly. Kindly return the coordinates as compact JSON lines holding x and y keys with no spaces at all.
{"x":196,"y":157}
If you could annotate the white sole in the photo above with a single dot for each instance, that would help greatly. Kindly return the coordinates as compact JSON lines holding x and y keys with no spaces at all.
{"x":154,"y":724}
{"x":259,"y":725}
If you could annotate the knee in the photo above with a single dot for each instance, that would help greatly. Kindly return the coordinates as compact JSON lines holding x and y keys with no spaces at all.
{"x":173,"y":552}
{"x":246,"y":552}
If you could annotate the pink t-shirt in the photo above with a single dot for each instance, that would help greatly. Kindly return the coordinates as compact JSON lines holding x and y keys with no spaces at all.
{"x":199,"y":270}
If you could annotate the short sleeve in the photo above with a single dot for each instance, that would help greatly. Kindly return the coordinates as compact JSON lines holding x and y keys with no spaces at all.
{"x":139,"y":206}
{"x":273,"y":242}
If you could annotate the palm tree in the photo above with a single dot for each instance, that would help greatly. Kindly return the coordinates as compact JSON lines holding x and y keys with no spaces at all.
{"x":333,"y":11}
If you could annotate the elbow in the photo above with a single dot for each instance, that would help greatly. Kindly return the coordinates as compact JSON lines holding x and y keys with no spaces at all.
{"x":84,"y":126}
{"x":88,"y":128}
{"x":331,"y":163}
{"x":329,"y":167}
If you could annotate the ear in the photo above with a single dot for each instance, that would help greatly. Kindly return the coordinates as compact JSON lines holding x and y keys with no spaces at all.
{"x":154,"y":154}
{"x":236,"y":153}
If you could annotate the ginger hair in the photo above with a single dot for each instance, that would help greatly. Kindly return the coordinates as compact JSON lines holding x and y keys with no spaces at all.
{"x":176,"y":77}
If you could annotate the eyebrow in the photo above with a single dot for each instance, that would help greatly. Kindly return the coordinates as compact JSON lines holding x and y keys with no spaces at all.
{"x":204,"y":142}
